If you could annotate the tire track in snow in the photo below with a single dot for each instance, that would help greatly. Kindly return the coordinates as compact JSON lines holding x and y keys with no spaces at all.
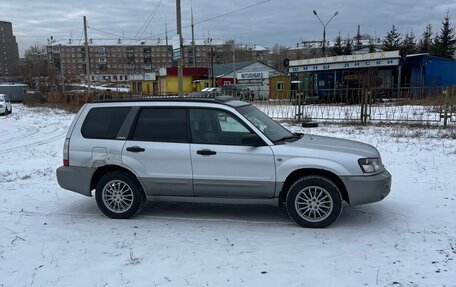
{"x":30,"y":128}
{"x":56,"y":134}
{"x":20,"y":133}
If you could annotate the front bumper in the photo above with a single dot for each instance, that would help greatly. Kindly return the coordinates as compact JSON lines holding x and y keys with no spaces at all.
{"x":75,"y":178}
{"x":367,"y":189}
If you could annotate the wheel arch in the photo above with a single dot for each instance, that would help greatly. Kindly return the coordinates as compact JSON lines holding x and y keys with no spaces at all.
{"x":101,"y":171}
{"x":295,"y":175}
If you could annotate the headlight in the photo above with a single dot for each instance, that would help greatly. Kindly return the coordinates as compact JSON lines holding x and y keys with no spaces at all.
{"x":370,"y":165}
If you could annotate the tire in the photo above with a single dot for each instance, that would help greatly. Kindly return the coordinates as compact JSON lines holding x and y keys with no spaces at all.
{"x":314,"y":202}
{"x":119,"y":195}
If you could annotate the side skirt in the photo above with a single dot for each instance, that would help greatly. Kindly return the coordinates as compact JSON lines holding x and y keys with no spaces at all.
{"x":216,"y":200}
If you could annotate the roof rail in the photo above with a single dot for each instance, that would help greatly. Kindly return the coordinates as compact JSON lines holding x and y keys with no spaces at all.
{"x":219,"y":99}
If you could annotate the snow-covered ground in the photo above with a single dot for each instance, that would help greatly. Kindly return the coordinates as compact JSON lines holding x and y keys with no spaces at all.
{"x":53,"y":237}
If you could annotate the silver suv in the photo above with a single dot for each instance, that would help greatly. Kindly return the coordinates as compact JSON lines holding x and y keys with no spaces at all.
{"x":218,"y":150}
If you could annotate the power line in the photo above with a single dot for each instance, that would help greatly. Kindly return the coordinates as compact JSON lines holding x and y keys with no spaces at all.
{"x":221,"y":15}
{"x":231,"y":12}
{"x":109,"y":33}
{"x":148,"y":20}
{"x":80,"y":37}
{"x":196,"y":23}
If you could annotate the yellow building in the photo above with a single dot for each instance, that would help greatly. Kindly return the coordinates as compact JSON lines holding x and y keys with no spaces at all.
{"x":194,"y":80}
{"x":279,"y":87}
{"x":144,"y":84}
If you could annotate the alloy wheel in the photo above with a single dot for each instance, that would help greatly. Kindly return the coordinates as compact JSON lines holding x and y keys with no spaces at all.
{"x":314,"y":204}
{"x":117,"y":196}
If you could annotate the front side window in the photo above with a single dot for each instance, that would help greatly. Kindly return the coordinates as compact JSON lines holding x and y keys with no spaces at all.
{"x":104,"y":123}
{"x":270,"y":128}
{"x":162,"y":125}
{"x":210,"y":126}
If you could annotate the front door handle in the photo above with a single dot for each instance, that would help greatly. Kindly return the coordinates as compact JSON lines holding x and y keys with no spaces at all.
{"x":135,"y":149}
{"x":206,"y":152}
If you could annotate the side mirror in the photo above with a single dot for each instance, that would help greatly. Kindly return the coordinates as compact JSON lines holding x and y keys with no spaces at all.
{"x":251,"y":140}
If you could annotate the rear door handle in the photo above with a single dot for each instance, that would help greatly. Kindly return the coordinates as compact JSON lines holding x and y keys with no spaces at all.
{"x":135,"y":149}
{"x":206,"y":152}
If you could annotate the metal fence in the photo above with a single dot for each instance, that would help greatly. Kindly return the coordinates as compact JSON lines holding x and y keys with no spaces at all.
{"x":436,"y":105}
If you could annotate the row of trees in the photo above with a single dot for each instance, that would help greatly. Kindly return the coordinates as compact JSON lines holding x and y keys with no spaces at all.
{"x":443,"y":44}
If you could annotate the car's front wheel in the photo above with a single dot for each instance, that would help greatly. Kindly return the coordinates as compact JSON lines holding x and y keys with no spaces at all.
{"x":119,"y":195}
{"x":314,"y":202}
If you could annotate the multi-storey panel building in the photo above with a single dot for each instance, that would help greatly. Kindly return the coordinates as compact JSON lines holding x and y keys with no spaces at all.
{"x":9,"y":54}
{"x":118,"y":61}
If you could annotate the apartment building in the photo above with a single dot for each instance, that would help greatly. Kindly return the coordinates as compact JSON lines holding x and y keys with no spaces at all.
{"x":119,"y":60}
{"x":9,"y":54}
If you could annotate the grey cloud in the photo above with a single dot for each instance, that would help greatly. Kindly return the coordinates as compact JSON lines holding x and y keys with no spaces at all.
{"x":276,"y":21}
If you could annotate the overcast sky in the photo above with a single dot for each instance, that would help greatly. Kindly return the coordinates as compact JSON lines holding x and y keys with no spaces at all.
{"x":285,"y":22}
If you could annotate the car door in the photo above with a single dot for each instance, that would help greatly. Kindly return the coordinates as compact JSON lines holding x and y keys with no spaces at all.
{"x":158,"y":151}
{"x":222,"y":165}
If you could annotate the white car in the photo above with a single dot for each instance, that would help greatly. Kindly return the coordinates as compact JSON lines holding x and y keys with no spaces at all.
{"x":5,"y":105}
{"x":210,"y":89}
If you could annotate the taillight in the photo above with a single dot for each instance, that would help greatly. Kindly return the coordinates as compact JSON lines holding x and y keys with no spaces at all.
{"x":66,"y":152}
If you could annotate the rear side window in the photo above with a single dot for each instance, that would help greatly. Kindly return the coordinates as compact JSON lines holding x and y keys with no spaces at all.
{"x":162,"y":125}
{"x":104,"y":123}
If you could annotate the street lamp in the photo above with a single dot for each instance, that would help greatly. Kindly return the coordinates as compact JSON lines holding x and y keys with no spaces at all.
{"x":324,"y":29}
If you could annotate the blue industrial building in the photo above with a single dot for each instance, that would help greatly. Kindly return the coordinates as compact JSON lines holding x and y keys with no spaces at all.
{"x":386,"y":73}
{"x":424,"y":70}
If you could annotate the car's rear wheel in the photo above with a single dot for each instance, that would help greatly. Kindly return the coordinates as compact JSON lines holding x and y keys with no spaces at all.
{"x":119,"y":195}
{"x":314,"y":202}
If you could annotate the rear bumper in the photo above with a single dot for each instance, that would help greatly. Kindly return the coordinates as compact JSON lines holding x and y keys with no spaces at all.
{"x":75,"y":178}
{"x":367,"y":189}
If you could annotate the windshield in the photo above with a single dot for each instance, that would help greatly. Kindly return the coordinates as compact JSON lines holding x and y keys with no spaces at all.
{"x":271,"y":129}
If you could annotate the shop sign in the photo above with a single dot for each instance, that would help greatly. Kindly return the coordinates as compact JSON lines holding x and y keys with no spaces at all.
{"x":252,"y":75}
{"x":345,"y":65}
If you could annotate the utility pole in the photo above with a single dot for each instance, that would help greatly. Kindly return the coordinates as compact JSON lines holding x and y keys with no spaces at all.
{"x":193,"y":38}
{"x":61,"y":70}
{"x":234,"y":63}
{"x":208,"y":41}
{"x":180,"y":72}
{"x":166,"y":42}
{"x":87,"y":61}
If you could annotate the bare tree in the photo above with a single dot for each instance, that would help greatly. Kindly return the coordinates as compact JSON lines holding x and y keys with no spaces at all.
{"x":34,"y":67}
